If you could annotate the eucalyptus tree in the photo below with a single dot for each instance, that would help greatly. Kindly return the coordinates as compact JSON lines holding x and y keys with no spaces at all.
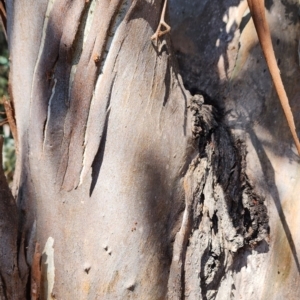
{"x":151,"y":168}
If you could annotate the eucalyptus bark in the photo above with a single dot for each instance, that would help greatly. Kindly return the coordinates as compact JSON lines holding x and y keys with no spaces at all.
{"x":138,"y":178}
{"x":13,"y":269}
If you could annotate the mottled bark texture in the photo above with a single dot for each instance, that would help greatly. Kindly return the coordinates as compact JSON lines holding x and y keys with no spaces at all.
{"x":222,"y":212}
{"x":13,"y":269}
{"x":218,"y":53}
{"x":136,"y":185}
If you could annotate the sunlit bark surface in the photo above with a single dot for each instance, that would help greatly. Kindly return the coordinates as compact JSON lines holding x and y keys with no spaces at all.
{"x":136,"y":186}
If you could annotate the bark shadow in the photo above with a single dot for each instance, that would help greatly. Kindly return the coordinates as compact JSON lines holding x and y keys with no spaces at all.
{"x":243,"y":254}
{"x":201,"y":40}
{"x":269,"y":174}
{"x":98,"y":160}
{"x":159,"y":209}
{"x":200,"y":37}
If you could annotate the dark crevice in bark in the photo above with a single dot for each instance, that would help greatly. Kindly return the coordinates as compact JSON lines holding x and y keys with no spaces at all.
{"x":96,"y":166}
{"x":116,"y":20}
{"x":167,"y":82}
{"x":98,"y":158}
{"x":223,"y":212}
{"x":52,"y":83}
{"x":77,"y":45}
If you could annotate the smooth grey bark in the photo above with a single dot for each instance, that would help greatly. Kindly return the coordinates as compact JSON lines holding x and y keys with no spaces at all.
{"x":133,"y":186}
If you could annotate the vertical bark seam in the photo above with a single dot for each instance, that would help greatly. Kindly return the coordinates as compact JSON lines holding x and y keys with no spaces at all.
{"x":45,"y":129}
{"x":42,"y":45}
{"x":80,"y":39}
{"x":108,"y":107}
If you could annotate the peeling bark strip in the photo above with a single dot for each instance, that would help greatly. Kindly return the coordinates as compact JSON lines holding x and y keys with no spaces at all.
{"x":67,"y":80}
{"x":82,"y":93}
{"x":36,"y":274}
{"x":49,"y":90}
{"x":222,"y":213}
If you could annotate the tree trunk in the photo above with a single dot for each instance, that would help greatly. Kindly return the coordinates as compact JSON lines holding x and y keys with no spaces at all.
{"x":152,"y":170}
{"x":13,"y":269}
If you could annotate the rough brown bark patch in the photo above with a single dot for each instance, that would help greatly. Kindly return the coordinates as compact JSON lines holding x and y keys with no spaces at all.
{"x":223,"y":213}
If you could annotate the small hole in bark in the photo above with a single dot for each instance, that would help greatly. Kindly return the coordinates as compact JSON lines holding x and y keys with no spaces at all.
{"x":131,"y":287}
{"x":213,"y":265}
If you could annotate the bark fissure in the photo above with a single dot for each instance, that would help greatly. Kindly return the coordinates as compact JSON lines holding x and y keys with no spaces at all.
{"x":53,"y":81}
{"x":119,"y":123}
{"x":45,"y":128}
{"x":80,"y":39}
{"x":215,"y":225}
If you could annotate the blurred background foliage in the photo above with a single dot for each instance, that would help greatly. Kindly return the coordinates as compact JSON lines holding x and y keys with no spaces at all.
{"x":9,"y":156}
